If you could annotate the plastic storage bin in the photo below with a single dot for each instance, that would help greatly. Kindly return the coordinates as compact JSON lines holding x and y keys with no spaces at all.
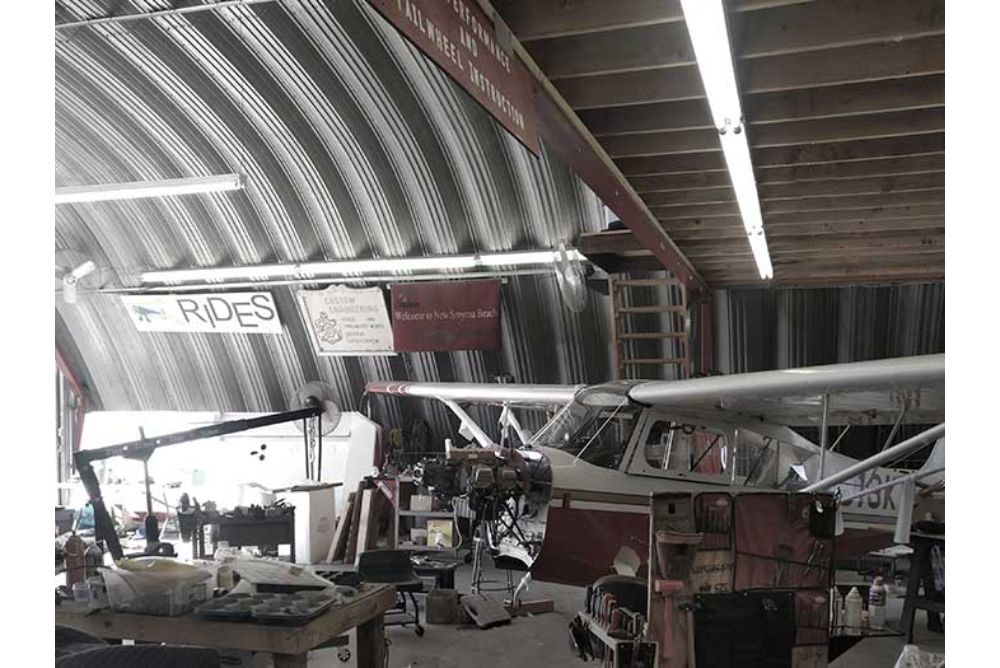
{"x":150,"y":586}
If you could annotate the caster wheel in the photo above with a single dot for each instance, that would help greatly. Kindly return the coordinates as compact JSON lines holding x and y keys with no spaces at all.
{"x":344,"y":654}
{"x":419,"y":631}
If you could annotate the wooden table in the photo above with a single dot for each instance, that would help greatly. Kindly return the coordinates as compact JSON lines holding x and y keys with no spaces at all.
{"x":289,"y":644}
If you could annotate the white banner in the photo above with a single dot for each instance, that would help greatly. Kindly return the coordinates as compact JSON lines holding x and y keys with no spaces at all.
{"x":347,"y":321}
{"x":247,"y":312}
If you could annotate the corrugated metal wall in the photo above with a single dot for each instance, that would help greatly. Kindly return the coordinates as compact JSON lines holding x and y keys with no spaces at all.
{"x":767,"y":328}
{"x":761,"y":329}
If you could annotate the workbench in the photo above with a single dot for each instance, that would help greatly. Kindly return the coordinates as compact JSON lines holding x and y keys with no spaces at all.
{"x":242,"y":531}
{"x":289,"y":645}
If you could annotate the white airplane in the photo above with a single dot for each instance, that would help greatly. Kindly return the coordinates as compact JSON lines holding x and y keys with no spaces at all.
{"x":608,"y":447}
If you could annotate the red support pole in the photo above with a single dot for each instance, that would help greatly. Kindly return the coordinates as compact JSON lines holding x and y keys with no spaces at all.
{"x":81,"y":398}
{"x":705,"y":336}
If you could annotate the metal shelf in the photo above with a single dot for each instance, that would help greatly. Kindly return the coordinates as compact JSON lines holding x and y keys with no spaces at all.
{"x":444,"y":514}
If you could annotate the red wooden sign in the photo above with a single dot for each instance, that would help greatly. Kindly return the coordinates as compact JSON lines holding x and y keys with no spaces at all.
{"x":450,"y":315}
{"x":463,"y":41}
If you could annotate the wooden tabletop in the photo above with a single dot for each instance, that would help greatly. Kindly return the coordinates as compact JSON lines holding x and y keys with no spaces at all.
{"x":372,"y":601}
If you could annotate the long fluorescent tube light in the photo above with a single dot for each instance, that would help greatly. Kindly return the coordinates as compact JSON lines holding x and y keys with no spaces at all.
{"x":141,"y":189}
{"x":358,"y":267}
{"x":706,"y":24}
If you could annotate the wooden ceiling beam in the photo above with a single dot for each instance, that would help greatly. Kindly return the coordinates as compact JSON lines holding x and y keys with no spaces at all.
{"x":810,"y":205}
{"x":614,"y":51}
{"x":837,"y":188}
{"x":902,"y":234}
{"x":828,"y":263}
{"x":787,"y":156}
{"x":532,"y":20}
{"x":775,"y":107}
{"x":849,"y":229}
{"x":919,"y":164}
{"x":623,"y":242}
{"x":852,"y":202}
{"x":810,"y":274}
{"x":843,"y":66}
{"x":813,"y":69}
{"x":822,"y":25}
{"x":793,"y":29}
{"x":845,"y":187}
{"x":878,"y":218}
{"x":792,"y":133}
{"x":805,"y":245}
{"x":825,"y":279}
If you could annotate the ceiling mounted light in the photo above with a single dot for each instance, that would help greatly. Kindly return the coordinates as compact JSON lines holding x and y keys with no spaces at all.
{"x":140,"y":189}
{"x":383,"y":266}
{"x":706,"y":25}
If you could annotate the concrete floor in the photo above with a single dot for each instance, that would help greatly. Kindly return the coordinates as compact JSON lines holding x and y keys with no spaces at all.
{"x":542,"y":640}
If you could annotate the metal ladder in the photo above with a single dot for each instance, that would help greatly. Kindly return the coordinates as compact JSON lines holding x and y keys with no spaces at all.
{"x":679,"y":329}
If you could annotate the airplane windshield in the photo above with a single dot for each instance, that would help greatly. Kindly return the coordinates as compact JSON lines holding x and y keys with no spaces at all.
{"x":596,"y":434}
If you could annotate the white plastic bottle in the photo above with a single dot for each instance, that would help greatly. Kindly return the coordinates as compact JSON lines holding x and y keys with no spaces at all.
{"x":876,"y":604}
{"x":853,"y":605}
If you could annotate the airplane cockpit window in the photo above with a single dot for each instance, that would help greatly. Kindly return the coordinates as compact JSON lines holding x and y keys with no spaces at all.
{"x":672,"y":446}
{"x":597,"y":435}
{"x":755,"y":456}
{"x":602,"y":440}
{"x":765,"y":461}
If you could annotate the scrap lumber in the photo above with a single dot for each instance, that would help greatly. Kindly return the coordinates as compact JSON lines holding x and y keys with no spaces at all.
{"x":338,"y":547}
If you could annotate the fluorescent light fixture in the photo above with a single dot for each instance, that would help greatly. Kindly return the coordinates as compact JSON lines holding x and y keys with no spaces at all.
{"x":142,"y":189}
{"x":737,"y":154}
{"x":706,"y":24}
{"x":758,"y":246}
{"x":381,"y":266}
{"x":524,"y":257}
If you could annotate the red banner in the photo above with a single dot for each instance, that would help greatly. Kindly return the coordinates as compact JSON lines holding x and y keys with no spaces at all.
{"x":463,"y":41}
{"x":451,"y":315}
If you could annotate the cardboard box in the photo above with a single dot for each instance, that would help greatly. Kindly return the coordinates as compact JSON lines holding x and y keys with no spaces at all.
{"x":315,"y":518}
{"x":420,"y":502}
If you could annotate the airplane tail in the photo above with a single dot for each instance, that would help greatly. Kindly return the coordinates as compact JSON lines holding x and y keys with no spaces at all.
{"x":935,"y":461}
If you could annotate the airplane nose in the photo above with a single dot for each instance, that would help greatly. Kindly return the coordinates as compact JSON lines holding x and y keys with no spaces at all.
{"x":538,"y":471}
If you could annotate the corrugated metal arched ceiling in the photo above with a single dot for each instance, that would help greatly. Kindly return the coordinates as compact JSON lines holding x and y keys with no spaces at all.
{"x":353,"y":145}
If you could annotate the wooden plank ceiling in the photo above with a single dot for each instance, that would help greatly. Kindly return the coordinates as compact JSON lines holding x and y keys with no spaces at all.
{"x":844,"y":101}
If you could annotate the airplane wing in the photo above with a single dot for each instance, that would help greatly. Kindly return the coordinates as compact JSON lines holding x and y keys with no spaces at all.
{"x":859,"y":393}
{"x":481,"y":393}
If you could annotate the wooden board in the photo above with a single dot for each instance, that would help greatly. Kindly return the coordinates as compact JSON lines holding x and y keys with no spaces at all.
{"x":339,"y":544}
{"x":364,"y":528}
{"x":531,"y":607}
{"x":381,"y":509}
{"x":352,"y":539}
{"x":488,"y":455}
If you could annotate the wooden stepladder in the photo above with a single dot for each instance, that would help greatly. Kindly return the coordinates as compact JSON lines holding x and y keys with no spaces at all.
{"x":673,"y":333}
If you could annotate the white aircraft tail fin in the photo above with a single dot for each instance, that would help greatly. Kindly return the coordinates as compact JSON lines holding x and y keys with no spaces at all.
{"x":934,"y":461}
